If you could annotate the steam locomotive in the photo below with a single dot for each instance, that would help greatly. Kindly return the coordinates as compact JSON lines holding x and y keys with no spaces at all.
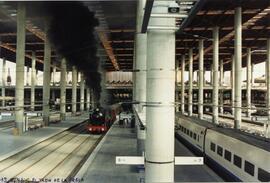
{"x":101,"y":119}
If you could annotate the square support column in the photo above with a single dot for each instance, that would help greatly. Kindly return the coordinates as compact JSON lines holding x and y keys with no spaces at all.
{"x":46,"y":81}
{"x":252,"y":74}
{"x":27,"y":75}
{"x":88,"y":99}
{"x":20,"y":59}
{"x":190,"y":86}
{"x":183,"y":84}
{"x":63,"y":84}
{"x":82,"y":88}
{"x":248,"y":93}
{"x":201,"y":79}
{"x":267,"y":131}
{"x":4,"y":77}
{"x":74,"y":90}
{"x":33,"y":81}
{"x":176,"y":86}
{"x":53,"y":75}
{"x":215,"y":74}
{"x":238,"y":67}
{"x":221,"y":86}
{"x":232,"y":83}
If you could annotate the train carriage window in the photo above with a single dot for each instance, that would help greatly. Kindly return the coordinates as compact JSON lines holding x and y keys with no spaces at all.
{"x":198,"y":138}
{"x":237,"y":161}
{"x":263,"y":175}
{"x":187,"y":131}
{"x":184,"y":130}
{"x":191,"y":134}
{"x":213,"y":147}
{"x":228,"y":155}
{"x":194,"y":136}
{"x":249,"y":168}
{"x":220,"y":150}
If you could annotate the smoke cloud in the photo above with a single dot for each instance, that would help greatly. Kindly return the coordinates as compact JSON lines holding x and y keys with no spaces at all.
{"x":71,"y":32}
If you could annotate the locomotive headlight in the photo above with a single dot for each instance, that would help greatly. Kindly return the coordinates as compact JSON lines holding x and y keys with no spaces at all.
{"x":173,"y":8}
{"x":102,"y":129}
{"x":100,"y":114}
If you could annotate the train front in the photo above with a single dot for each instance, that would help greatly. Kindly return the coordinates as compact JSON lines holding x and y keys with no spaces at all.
{"x":97,"y":121}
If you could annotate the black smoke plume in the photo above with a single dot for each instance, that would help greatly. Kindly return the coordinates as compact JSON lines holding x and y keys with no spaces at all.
{"x":71,"y":32}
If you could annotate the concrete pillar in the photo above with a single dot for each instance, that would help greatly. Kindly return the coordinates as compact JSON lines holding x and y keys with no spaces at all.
{"x":27,"y":76}
{"x":190,"y":86}
{"x":63,"y":84}
{"x":53,"y":75}
{"x":267,"y":74}
{"x":140,"y":57}
{"x":140,"y":61}
{"x":4,"y":77}
{"x":204,"y":74}
{"x":74,"y":89}
{"x":20,"y":58}
{"x":53,"y":94}
{"x":211,"y":74}
{"x":198,"y":79}
{"x":46,"y":81}
{"x":248,"y":93}
{"x":221,"y":73}
{"x":141,"y":50}
{"x":215,"y":74}
{"x":183,"y":84}
{"x":252,"y":74}
{"x":53,"y":82}
{"x":160,"y":113}
{"x":238,"y":67}
{"x":67,"y":77}
{"x":201,"y":79}
{"x":232,"y":83}
{"x":33,"y":81}
{"x":87,"y":99}
{"x":82,"y":88}
{"x":221,"y":85}
{"x":176,"y":87}
{"x":134,"y":88}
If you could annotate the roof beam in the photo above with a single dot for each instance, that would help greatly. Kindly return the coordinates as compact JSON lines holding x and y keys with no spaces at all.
{"x":245,"y":25}
{"x":29,"y":26}
{"x":122,"y":30}
{"x":109,"y":50}
{"x":147,"y":14}
{"x":220,"y":12}
{"x":14,"y":50}
{"x":199,"y":4}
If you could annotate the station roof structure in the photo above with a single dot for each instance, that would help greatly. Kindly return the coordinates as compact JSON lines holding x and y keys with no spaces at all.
{"x":118,"y":23}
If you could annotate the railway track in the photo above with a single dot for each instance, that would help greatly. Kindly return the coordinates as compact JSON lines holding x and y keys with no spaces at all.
{"x":33,"y":121}
{"x":7,"y":124}
{"x":57,"y":159}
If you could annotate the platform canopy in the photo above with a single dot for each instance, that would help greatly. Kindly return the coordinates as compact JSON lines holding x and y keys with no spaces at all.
{"x":117,"y":30}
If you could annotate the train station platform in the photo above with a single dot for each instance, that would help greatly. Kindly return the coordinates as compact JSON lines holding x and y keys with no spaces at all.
{"x":119,"y":141}
{"x":11,"y":144}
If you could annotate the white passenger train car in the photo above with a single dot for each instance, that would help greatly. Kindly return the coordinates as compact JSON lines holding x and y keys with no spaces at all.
{"x":192,"y":133}
{"x":238,"y":159}
{"x":234,"y":155}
